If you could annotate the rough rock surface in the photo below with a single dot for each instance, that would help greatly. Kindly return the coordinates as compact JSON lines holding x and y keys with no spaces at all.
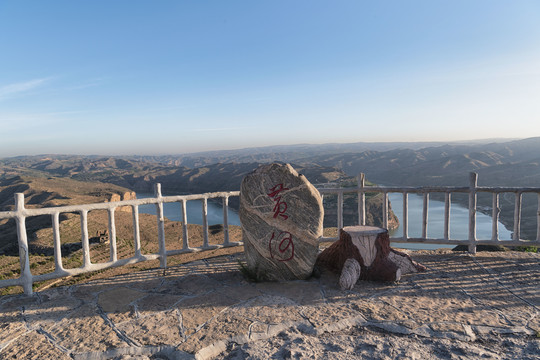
{"x":128,"y":195}
{"x":282,"y":217}
{"x":464,"y":307}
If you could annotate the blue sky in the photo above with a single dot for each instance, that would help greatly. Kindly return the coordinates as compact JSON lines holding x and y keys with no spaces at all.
{"x":170,"y":77}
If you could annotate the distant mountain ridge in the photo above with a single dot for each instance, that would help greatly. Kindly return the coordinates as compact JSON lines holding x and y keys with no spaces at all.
{"x":446,"y":164}
{"x":290,"y":153}
{"x":53,"y":181}
{"x":514,"y":163}
{"x":510,"y":163}
{"x":140,"y":175}
{"x":498,"y":163}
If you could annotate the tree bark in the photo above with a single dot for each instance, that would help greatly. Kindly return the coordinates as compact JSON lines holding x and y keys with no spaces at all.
{"x":369,"y":247}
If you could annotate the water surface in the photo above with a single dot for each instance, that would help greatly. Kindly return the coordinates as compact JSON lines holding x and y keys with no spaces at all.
{"x":459,"y":222}
{"x":459,"y":219}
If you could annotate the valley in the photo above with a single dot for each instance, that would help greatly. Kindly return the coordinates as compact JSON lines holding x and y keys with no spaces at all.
{"x":54,"y":180}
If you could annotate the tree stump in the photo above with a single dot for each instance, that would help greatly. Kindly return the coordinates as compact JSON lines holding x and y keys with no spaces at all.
{"x":364,"y":253}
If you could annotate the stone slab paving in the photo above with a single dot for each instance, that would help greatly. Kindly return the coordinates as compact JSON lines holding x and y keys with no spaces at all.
{"x":463,"y":307}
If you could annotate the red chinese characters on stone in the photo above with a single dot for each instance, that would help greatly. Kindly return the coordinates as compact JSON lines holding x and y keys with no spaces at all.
{"x":281,"y":246}
{"x":280,"y":206}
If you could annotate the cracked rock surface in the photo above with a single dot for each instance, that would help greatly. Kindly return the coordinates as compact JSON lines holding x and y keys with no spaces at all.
{"x":462,"y":307}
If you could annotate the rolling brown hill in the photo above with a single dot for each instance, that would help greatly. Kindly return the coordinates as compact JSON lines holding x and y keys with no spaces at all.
{"x":52,"y":180}
{"x":42,"y":188}
{"x":514,"y":163}
{"x":46,"y":192}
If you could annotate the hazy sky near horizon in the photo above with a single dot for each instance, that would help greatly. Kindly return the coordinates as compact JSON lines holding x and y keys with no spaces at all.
{"x":156,"y":77}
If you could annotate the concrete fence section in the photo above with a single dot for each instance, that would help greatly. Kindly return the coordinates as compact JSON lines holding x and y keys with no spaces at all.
{"x":20,"y":214}
{"x":472,"y":190}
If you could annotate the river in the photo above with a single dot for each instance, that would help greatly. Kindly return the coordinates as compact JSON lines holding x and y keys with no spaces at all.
{"x":173,"y":211}
{"x":459,"y":222}
{"x":459,"y":219}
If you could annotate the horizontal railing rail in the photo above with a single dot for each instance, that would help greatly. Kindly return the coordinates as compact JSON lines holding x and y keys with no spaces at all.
{"x":472,"y":190}
{"x":27,"y":279}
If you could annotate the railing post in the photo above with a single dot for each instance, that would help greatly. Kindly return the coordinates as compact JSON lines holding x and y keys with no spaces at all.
{"x":473,"y":181}
{"x":340,"y":210}
{"x":205,"y":222}
{"x":425,"y":206}
{"x":538,"y":220}
{"x":517,"y":217}
{"x":405,"y":216}
{"x":161,"y":227}
{"x":57,"y":243}
{"x":185,"y":242}
{"x":361,"y":199}
{"x":136,"y":230}
{"x":84,"y":238}
{"x":447,"y":205}
{"x":495,"y":211}
{"x":226,"y":221}
{"x":24,"y":256}
{"x":385,"y":210}
{"x":112,"y":236}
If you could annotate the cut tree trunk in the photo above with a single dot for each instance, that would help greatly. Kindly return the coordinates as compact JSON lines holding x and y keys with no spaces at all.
{"x":364,"y":253}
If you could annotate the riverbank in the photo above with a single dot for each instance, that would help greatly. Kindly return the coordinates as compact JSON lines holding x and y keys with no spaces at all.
{"x":483,"y":306}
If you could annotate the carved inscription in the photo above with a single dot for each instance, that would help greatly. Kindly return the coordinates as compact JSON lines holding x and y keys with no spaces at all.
{"x":281,"y":246}
{"x":281,"y":215}
{"x":281,"y":206}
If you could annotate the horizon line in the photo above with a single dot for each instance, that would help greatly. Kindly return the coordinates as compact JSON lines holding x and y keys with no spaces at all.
{"x":427,"y":142}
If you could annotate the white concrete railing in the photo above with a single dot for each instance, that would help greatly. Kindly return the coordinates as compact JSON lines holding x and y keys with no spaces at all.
{"x":471,"y":190}
{"x":26,"y":278}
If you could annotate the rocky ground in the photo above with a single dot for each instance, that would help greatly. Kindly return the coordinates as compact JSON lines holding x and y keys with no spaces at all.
{"x":463,"y":307}
{"x":372,"y":343}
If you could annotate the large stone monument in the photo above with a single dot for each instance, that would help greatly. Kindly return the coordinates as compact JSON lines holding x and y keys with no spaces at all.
{"x":282,"y":220}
